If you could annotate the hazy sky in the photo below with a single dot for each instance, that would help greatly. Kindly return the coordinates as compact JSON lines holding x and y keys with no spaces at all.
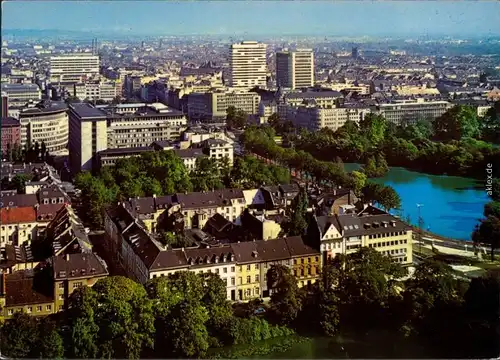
{"x":258,"y":17}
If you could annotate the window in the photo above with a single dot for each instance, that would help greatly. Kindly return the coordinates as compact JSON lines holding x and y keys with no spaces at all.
{"x":248,"y":267}
{"x":295,"y":261}
{"x":256,"y":266}
{"x":29,"y":310}
{"x":10,"y":312}
{"x":232,"y":268}
{"x":302,"y":260}
{"x":233,"y":282}
{"x":317,"y":259}
{"x":216,"y":271}
{"x":61,"y":285}
{"x":240,"y":280}
{"x":38,"y":308}
{"x":257,"y":291}
{"x":48,"y":307}
{"x":61,"y":297}
{"x":77,"y":285}
{"x":249,"y":279}
{"x":301,"y":272}
{"x":224,"y":270}
{"x":248,"y":292}
{"x":256,"y":278}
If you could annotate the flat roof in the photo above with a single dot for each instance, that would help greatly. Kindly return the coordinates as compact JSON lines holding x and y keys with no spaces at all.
{"x":87,"y":111}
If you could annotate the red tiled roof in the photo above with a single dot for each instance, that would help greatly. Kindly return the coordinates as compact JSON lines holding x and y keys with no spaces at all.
{"x":17,"y":215}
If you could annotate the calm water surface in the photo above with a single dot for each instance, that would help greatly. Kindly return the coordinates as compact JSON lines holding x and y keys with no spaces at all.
{"x":452,"y":205}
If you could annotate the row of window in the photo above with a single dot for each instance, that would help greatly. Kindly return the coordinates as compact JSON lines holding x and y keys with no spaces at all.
{"x":389,"y":234}
{"x":389,"y":243}
{"x":29,"y":310}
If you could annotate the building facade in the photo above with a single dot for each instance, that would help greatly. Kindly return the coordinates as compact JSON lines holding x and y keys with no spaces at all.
{"x":11,"y":134}
{"x":295,"y":69}
{"x":19,"y":95}
{"x":73,"y":68}
{"x":314,"y":118}
{"x":87,"y":136}
{"x":248,"y":65}
{"x":46,"y":122}
{"x":212,"y":106}
{"x":410,"y":111}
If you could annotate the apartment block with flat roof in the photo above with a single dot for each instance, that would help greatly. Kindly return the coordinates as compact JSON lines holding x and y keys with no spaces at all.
{"x":248,"y":66}
{"x":314,"y":118}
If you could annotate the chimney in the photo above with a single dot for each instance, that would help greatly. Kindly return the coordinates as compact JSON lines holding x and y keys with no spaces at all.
{"x":67,"y":257}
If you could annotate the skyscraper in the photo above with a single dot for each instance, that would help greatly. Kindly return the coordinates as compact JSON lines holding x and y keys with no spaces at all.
{"x":248,"y":65}
{"x":295,"y":69}
{"x":5,"y":104}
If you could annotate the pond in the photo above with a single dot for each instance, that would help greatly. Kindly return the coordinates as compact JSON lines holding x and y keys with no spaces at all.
{"x":451,"y":207}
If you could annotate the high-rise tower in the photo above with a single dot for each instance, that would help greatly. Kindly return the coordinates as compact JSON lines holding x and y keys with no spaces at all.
{"x":248,"y":65}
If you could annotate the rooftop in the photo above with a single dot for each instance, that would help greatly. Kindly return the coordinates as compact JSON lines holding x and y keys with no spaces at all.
{"x":74,"y":266}
{"x":10,"y":122}
{"x":86,"y":111}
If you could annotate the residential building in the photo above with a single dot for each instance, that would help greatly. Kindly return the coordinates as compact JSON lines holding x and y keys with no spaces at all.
{"x":217,"y":260}
{"x":212,"y":106}
{"x":248,"y":271}
{"x":295,"y":69}
{"x":19,"y":293}
{"x":314,"y":118}
{"x":371,"y":228}
{"x":46,"y":122}
{"x":18,"y":225}
{"x":11,"y":134}
{"x":72,"y":271}
{"x":218,"y":149}
{"x":260,"y":226}
{"x":19,"y":95}
{"x":248,"y":66}
{"x":190,"y":156}
{"x":73,"y":68}
{"x":87,"y":136}
{"x":266,"y":109}
{"x":16,"y":258}
{"x":322,"y":99}
{"x":408,"y":112}
{"x":305,"y":261}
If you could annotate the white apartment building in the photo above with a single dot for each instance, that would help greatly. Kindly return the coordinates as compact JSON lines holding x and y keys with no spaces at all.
{"x":410,"y":111}
{"x":295,"y":69}
{"x":46,"y":122}
{"x":21,"y":94}
{"x":248,"y":66}
{"x":73,"y":68}
{"x":314,"y":118}
{"x":218,"y":149}
{"x":213,"y":105}
{"x":87,"y":136}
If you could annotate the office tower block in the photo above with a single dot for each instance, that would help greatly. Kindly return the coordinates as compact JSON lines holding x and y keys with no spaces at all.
{"x":295,"y":69}
{"x":73,"y":68}
{"x":248,"y":65}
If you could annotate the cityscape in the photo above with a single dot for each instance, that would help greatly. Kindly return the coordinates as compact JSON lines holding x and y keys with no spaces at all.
{"x":250,"y":179}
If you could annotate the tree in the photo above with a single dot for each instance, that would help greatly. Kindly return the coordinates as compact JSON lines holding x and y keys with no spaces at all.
{"x":10,"y":153}
{"x":36,"y":151}
{"x":19,"y":182}
{"x":457,"y":123}
{"x":388,"y":198}
{"x":235,"y":117}
{"x":366,"y":282}
{"x":488,"y":232}
{"x":19,"y":336}
{"x":495,"y":190}
{"x":286,"y":302}
{"x":359,"y":181}
{"x":186,"y":334}
{"x":44,"y":151}
{"x":50,"y":342}
{"x":113,"y":318}
{"x":375,"y":127}
{"x":492,"y":209}
{"x":298,"y":222}
{"x":207,"y":175}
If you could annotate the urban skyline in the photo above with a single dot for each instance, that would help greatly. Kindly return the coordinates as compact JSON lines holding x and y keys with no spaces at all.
{"x":398,"y":18}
